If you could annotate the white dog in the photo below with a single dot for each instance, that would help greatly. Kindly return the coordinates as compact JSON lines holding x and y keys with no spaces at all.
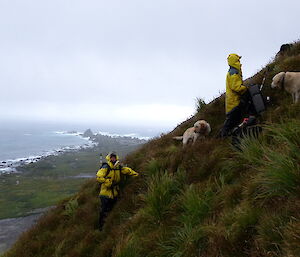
{"x":290,"y":81}
{"x":201,"y":129}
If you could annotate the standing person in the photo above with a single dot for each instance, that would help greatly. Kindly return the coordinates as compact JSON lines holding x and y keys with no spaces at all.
{"x":234,"y":90}
{"x":109,"y":176}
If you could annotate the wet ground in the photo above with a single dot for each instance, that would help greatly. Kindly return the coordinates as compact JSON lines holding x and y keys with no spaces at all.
{"x":11,"y":229}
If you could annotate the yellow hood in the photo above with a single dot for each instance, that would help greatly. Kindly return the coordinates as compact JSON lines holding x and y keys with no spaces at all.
{"x":234,"y":83}
{"x":234,"y":61}
{"x":110,"y":163}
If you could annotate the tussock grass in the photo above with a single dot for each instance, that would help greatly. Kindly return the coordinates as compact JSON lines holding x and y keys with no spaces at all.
{"x":281,"y":177}
{"x":188,"y":238}
{"x":185,"y":241}
{"x":71,"y":207}
{"x":200,"y":104}
{"x":270,"y":232}
{"x":275,"y":158}
{"x":239,"y":222}
{"x":162,"y":191}
{"x":205,"y":200}
{"x":154,"y":167}
{"x":196,"y":205}
{"x":231,"y":195}
{"x":291,"y":237}
{"x":290,"y":63}
{"x":130,"y":247}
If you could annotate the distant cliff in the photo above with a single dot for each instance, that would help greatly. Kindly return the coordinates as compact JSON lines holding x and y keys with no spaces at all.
{"x":121,"y":144}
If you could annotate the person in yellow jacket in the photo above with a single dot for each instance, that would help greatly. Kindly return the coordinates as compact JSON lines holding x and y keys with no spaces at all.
{"x":109,"y":176}
{"x":234,"y":91}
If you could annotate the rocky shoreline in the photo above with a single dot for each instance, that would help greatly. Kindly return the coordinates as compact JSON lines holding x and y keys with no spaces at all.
{"x":93,"y":139}
{"x":12,"y":228}
{"x":11,"y":166}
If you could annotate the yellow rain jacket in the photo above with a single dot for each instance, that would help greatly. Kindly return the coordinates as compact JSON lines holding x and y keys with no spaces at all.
{"x":110,"y":177}
{"x":234,"y":82}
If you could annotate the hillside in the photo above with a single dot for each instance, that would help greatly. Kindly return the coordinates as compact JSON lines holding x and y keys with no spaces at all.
{"x":206,"y":200}
{"x":45,"y":182}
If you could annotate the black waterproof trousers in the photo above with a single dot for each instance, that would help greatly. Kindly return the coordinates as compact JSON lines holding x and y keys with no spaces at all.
{"x":106,"y":206}
{"x":233,"y":118}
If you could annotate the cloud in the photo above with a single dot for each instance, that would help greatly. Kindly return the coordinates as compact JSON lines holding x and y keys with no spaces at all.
{"x":141,"y":115}
{"x":149,"y":57}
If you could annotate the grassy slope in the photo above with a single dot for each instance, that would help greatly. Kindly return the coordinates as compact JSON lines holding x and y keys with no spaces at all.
{"x":44,"y":183}
{"x":208,"y":200}
{"x":50,"y":180}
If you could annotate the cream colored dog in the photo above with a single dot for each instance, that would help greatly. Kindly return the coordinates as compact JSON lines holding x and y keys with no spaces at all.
{"x":290,"y":82}
{"x":201,"y":129}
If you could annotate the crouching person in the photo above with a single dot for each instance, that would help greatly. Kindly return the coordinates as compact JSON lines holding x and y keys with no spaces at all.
{"x":109,"y":176}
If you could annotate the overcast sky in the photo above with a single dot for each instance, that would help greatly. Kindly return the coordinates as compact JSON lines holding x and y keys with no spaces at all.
{"x":130,"y":61}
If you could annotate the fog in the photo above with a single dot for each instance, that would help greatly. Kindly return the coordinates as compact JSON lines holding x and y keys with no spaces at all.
{"x":137,"y":63}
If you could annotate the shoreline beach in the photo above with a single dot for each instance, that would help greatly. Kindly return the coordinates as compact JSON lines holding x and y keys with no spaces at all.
{"x":11,"y":165}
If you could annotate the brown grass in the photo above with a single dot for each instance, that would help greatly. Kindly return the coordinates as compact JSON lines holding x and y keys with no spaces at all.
{"x":236,"y":225}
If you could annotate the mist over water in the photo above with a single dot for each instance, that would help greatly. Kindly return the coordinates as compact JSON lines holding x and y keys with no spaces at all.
{"x":20,"y":143}
{"x":25,"y":139}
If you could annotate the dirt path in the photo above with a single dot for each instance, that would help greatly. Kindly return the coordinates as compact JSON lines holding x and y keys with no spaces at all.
{"x":11,"y":229}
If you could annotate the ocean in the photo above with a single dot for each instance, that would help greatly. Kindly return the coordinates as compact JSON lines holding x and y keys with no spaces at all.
{"x":28,"y":142}
{"x":25,"y":144}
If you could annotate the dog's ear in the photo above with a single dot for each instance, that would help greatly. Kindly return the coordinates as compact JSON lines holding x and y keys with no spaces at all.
{"x":279,"y":79}
{"x":282,"y":78}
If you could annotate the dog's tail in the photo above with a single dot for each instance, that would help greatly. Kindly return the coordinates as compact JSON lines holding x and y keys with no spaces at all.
{"x":178,"y":138}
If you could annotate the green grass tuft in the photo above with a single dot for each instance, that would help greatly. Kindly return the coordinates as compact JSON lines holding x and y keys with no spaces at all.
{"x":71,"y":207}
{"x":196,"y":205}
{"x":205,"y":200}
{"x":185,"y":241}
{"x":162,"y":191}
